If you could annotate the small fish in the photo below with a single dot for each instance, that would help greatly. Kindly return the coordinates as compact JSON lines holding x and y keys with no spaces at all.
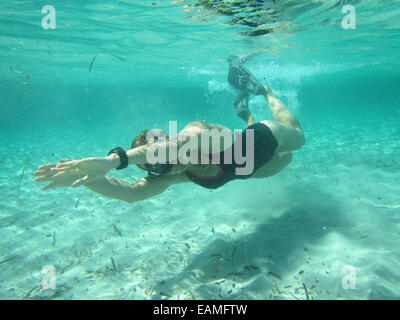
{"x":91,"y":63}
{"x":294,"y":296}
{"x":7,"y":259}
{"x":275,"y":275}
{"x":116,"y":230}
{"x":30,"y":291}
{"x":165,"y":294}
{"x":276,"y":287}
{"x":250,"y":267}
{"x":20,"y":178}
{"x":113,"y":264}
{"x":77,"y":203}
{"x":94,"y":59}
{"x":114,"y":55}
{"x":233,"y":253}
{"x":305,"y":289}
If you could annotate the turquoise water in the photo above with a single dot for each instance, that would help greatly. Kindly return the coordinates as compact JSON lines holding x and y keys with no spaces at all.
{"x":335,"y":205}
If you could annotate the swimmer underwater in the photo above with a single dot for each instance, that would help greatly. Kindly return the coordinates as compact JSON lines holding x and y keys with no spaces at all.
{"x":274,"y":142}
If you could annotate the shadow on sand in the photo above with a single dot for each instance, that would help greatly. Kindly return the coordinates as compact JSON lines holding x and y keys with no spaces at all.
{"x":277,"y":247}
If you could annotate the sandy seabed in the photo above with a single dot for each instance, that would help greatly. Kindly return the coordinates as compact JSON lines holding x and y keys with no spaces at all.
{"x":336,"y":205}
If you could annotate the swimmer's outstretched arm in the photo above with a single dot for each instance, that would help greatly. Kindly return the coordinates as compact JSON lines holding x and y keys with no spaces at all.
{"x":139,"y":190}
{"x":169,"y":148}
{"x":91,"y":169}
{"x":114,"y":188}
{"x":94,"y":168}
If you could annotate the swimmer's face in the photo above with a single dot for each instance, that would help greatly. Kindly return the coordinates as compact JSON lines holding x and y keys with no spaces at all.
{"x":145,"y":166}
{"x":141,"y":139}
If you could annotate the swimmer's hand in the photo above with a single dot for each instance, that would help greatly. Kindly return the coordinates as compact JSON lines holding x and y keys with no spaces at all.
{"x":74,"y":173}
{"x":44,"y":174}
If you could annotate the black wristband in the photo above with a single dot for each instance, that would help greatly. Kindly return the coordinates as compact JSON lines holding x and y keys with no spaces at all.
{"x":123,"y":157}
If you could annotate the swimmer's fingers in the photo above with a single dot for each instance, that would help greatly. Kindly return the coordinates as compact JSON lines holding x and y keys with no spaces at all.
{"x":48,"y":176}
{"x":40,"y":173}
{"x":47,"y":166}
{"x":79,"y":182}
{"x":44,"y":178}
{"x":66,"y":164}
{"x":49,"y":186}
{"x":44,"y":169}
{"x":64,"y":169}
{"x":61,"y":178}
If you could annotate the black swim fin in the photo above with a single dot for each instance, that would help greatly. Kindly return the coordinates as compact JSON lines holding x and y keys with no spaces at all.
{"x":242,"y":79}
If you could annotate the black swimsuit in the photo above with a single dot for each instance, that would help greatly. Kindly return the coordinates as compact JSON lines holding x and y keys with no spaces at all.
{"x":265,"y":145}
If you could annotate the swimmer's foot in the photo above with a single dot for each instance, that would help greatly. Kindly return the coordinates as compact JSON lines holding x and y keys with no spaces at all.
{"x":241,"y":104}
{"x":242,"y":79}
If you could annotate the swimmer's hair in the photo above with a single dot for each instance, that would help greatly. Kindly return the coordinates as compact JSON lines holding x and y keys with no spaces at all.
{"x":140,"y":139}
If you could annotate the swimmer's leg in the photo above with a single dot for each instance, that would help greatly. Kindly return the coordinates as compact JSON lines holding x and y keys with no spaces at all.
{"x":286,"y":128}
{"x":241,"y":104}
{"x":243,"y":80}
